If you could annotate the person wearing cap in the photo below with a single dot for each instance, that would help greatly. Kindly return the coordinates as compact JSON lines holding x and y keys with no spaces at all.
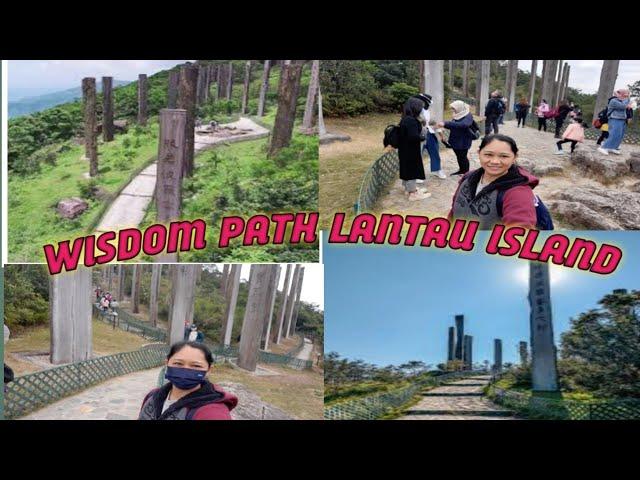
{"x":431,"y":141}
{"x":460,"y":137}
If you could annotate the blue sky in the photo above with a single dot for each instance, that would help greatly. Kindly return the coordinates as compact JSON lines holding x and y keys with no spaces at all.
{"x":387,"y":305}
{"x":38,"y":77}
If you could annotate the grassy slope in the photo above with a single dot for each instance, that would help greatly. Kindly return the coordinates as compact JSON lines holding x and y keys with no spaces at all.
{"x":106,"y":341}
{"x":508,"y":384}
{"x":33,"y":220}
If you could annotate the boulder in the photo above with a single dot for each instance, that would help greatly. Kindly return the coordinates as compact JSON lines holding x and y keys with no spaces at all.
{"x":634,"y":162}
{"x":635,"y":187}
{"x":606,"y":168}
{"x":71,"y":207}
{"x":598,"y":208}
{"x":541,"y":167}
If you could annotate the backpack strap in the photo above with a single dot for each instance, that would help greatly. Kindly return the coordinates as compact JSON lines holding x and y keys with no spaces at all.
{"x":499,"y":202}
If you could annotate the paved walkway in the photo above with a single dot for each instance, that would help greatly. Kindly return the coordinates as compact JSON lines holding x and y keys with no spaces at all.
{"x":458,"y":400}
{"x":129,"y":208}
{"x":307,"y":350}
{"x":536,"y":150}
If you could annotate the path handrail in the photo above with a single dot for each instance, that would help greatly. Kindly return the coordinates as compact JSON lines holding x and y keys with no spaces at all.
{"x":374,"y":406}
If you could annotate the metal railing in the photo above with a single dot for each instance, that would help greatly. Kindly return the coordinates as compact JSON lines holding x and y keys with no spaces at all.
{"x":33,"y":391}
{"x":375,"y":406}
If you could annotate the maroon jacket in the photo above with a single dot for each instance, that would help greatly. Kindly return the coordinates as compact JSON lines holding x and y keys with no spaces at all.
{"x":206,"y":403}
{"x":518,"y":204}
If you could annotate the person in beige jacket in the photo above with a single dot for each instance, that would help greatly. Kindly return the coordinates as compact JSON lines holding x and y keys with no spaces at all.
{"x":574,"y":134}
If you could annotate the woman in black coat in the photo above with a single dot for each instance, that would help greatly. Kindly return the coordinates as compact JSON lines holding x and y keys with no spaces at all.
{"x":411,"y":167}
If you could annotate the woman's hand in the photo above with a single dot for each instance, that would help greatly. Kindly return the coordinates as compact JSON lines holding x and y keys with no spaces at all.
{"x":440,"y":124}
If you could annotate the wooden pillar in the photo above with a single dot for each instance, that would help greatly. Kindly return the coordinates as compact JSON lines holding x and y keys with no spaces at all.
{"x":507,"y":84}
{"x":246,"y":85}
{"x":90,"y":140}
{"x":421,"y":74}
{"x":565,"y":87}
{"x":465,"y":78}
{"x":107,"y":109}
{"x":221,"y":81}
{"x":296,"y":309}
{"x":451,"y":344}
{"x":283,"y":305}
{"x":608,"y":76}
{"x":312,"y":92}
{"x":322,"y":130}
{"x":121,"y":274}
{"x":556,"y":82}
{"x":70,"y":316}
{"x":288,"y":90}
{"x":229,"y":83}
{"x":524,"y":356}
{"x":171,"y":150}
{"x":233,"y":287}
{"x":109,"y":277}
{"x":485,"y":70}
{"x":271,"y":300}
{"x":264,"y":87}
{"x":434,"y":86}
{"x":135,"y":289}
{"x":142,"y":99}
{"x":497,"y":355}
{"x":187,"y":101}
{"x":224,"y":280}
{"x":545,"y":64}
{"x":172,"y":89}
{"x":200,"y":87}
{"x":254,"y":317}
{"x":532,"y":84}
{"x":450,"y":79}
{"x":156,"y":274}
{"x":549,"y":72}
{"x":513,"y":77}
{"x":183,"y":287}
{"x":291,"y":297}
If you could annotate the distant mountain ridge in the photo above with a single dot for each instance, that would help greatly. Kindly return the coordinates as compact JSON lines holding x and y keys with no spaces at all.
{"x":26,"y":106}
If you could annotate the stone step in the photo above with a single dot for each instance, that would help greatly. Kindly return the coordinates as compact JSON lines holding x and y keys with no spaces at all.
{"x":463,"y":384}
{"x":452,"y":394}
{"x":476,"y":413}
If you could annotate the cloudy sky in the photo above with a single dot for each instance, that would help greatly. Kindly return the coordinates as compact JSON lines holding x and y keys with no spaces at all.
{"x":38,"y":77}
{"x":585,"y":74}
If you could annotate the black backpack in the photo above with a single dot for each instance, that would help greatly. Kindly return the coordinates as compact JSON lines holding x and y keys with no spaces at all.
{"x":602,"y":116}
{"x":501,"y":107}
{"x":474,"y":131}
{"x":391,"y":136}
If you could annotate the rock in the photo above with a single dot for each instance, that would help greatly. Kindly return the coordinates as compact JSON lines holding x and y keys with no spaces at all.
{"x":634,"y":162}
{"x":71,"y":207}
{"x":635,"y":187}
{"x":333,"y":137}
{"x":250,"y":406}
{"x":606,"y":168}
{"x":541,"y":167}
{"x":598,"y":208}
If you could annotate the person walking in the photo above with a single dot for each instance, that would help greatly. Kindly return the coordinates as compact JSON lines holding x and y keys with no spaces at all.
{"x":461,"y":135}
{"x":409,"y":139}
{"x":574,"y":134}
{"x":563,"y":111}
{"x":540,"y":111}
{"x":617,"y":115}
{"x":492,"y":111}
{"x":504,"y":101}
{"x":522,"y":109}
{"x":431,"y":133}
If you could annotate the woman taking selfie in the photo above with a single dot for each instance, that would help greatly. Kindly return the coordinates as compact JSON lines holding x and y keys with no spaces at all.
{"x":188,"y":395}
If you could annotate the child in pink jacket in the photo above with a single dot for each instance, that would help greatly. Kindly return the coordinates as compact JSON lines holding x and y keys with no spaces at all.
{"x":574,"y":134}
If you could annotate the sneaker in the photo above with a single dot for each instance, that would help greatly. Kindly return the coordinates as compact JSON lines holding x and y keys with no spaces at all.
{"x":419,"y":181}
{"x":439,"y":174}
{"x":603,"y":151}
{"x":617,"y":151}
{"x":559,"y":152}
{"x":418,"y":195}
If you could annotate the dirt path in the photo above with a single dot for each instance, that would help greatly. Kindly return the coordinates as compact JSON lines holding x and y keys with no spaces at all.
{"x":129,"y":208}
{"x":307,"y":350}
{"x":536,"y":148}
{"x":459,"y":400}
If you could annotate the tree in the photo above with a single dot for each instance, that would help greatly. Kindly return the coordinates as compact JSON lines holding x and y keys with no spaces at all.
{"x":603,"y":346}
{"x":288,"y":90}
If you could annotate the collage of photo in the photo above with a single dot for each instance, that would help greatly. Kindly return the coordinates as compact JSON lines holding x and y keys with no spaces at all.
{"x":172,"y":231}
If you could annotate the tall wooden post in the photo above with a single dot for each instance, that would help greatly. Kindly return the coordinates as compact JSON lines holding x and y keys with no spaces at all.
{"x":608,"y":76}
{"x":254,"y":317}
{"x":465,"y":78}
{"x":70,"y":316}
{"x":264,"y":87}
{"x":171,"y":150}
{"x":532,"y":84}
{"x":485,"y":70}
{"x":450,"y":74}
{"x":120,"y":283}
{"x":288,"y":90}
{"x":283,"y":305}
{"x":451,"y":344}
{"x":513,"y":77}
{"x":565,"y":87}
{"x":172,"y":89}
{"x":556,"y":82}
{"x":224,"y":280}
{"x":232,"y":299}
{"x":156,"y":273}
{"x":246,"y":85}
{"x":90,"y":140}
{"x":322,"y":130}
{"x":229,"y":83}
{"x":142,"y":99}
{"x":524,"y":356}
{"x":109,"y":277}
{"x":507,"y":84}
{"x":312,"y":92}
{"x":107,"y":109}
{"x":291,"y":300}
{"x":548,"y":74}
{"x":497,"y":355}
{"x":187,"y":86}
{"x":271,"y":300}
{"x":135,"y":287}
{"x":296,"y":308}
{"x":434,"y":86}
{"x":183,"y":286}
{"x":221,"y":81}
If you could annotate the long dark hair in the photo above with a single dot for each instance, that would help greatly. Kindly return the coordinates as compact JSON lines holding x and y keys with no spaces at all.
{"x":176,"y":347}
{"x":412,"y":107}
{"x":502,"y":138}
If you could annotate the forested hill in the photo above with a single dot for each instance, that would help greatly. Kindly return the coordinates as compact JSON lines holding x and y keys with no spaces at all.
{"x":38,"y":103}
